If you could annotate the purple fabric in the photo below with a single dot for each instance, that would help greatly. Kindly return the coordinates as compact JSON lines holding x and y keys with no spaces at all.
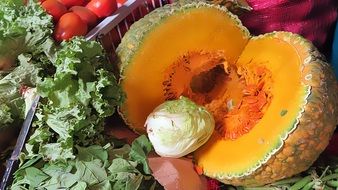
{"x":313,"y":19}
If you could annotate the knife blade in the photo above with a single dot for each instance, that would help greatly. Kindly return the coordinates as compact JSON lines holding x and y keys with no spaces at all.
{"x":13,"y":161}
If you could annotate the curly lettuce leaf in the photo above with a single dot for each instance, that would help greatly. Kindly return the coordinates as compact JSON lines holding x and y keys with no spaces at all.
{"x":23,"y":28}
{"x":5,"y":115}
{"x":11,"y":33}
{"x":37,"y":23}
{"x":25,"y":49}
{"x":11,"y":101}
{"x":77,"y":99}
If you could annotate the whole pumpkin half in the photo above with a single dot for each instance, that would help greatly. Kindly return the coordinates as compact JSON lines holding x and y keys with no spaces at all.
{"x":273,"y":97}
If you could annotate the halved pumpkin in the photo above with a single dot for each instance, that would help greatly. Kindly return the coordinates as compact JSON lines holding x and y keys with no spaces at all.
{"x":273,"y":97}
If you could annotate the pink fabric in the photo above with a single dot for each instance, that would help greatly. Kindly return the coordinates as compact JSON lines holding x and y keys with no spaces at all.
{"x":313,"y":19}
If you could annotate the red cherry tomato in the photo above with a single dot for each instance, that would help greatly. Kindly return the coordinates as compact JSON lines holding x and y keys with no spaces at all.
{"x":85,"y":14}
{"x":120,"y":2}
{"x":69,"y":25}
{"x":102,"y":8}
{"x":70,"y":3}
{"x":54,"y":8}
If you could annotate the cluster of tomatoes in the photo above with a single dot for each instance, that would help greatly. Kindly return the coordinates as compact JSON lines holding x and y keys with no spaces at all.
{"x":77,"y":17}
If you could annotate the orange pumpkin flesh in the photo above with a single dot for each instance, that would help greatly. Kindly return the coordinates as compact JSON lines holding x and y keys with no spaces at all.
{"x":263,"y":91}
{"x":236,"y":101}
{"x":171,"y":43}
{"x":280,"y":116}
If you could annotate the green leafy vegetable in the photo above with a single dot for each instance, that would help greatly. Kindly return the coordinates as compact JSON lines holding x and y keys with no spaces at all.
{"x":12,"y":35}
{"x":25,"y":49}
{"x":141,"y":147}
{"x":78,"y":92}
{"x":12,"y":103}
{"x":77,"y":98}
{"x":92,"y":169}
{"x":22,"y":28}
{"x":36,"y":176}
{"x":91,"y":153}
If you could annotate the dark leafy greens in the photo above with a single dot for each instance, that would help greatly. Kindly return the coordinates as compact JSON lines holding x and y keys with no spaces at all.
{"x":95,"y":167}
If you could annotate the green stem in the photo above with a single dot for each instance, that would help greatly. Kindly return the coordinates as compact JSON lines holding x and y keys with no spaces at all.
{"x":301,"y":183}
{"x":287,"y":181}
{"x":260,"y":188}
{"x":332,"y":183}
{"x":308,"y":186}
{"x":329,"y":177}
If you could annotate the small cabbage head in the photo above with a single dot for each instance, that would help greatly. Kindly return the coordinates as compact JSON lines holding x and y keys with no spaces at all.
{"x":178,"y":127}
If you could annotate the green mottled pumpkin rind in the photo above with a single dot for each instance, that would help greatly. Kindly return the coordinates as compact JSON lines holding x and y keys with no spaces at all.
{"x":132,"y":40}
{"x":313,"y":129}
